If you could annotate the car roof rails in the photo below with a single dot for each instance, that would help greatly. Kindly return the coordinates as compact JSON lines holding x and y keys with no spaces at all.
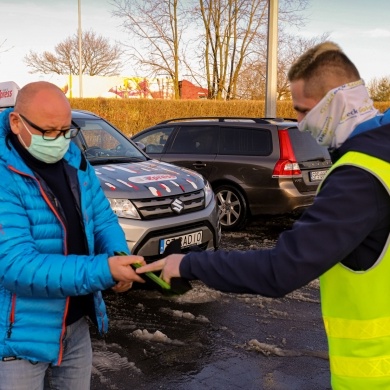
{"x":8,"y":93}
{"x":217,"y":119}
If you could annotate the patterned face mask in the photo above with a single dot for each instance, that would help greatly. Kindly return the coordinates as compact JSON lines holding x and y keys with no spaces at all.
{"x":333,"y":118}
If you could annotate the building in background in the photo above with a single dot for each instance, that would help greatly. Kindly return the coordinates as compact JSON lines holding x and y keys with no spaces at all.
{"x":128,"y":87}
{"x":191,"y":91}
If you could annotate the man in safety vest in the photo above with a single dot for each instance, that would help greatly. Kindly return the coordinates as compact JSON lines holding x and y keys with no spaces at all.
{"x":343,"y":238}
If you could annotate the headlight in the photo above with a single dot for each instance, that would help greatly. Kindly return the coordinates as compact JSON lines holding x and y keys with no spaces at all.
{"x":124,"y":208}
{"x":208,"y":193}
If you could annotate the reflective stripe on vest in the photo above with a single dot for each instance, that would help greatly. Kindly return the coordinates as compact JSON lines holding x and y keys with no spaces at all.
{"x":356,"y":308}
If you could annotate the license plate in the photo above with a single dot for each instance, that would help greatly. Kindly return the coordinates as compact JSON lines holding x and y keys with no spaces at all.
{"x":317,"y":175}
{"x":186,"y":240}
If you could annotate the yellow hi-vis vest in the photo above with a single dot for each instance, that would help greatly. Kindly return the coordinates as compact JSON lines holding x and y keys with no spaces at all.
{"x":356,"y":308}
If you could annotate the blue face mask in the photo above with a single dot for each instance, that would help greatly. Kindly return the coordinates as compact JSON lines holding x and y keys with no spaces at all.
{"x":47,"y":151}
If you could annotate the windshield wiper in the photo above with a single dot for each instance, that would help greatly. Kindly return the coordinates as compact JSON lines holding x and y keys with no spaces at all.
{"x":114,"y":160}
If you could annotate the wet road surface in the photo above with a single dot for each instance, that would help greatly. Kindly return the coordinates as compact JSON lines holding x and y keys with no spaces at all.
{"x":206,"y":339}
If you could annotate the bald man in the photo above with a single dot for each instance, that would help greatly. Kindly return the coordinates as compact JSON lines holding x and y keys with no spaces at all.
{"x":58,"y":236}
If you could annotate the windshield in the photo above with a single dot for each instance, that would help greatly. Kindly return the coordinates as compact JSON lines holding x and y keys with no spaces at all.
{"x":101,"y":142}
{"x":306,"y":147}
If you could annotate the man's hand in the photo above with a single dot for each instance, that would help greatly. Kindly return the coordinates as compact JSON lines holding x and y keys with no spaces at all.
{"x":122,"y":271}
{"x":122,"y":287}
{"x":169,"y":267}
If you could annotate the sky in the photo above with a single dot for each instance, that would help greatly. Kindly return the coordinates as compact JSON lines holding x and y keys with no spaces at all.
{"x":360,"y":27}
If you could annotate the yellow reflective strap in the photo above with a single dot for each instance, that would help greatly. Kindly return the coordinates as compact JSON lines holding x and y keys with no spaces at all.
{"x":360,"y":367}
{"x":357,"y":329}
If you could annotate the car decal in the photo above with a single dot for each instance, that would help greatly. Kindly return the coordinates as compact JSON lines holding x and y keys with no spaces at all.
{"x":151,"y":178}
{"x":128,"y":184}
{"x":126,"y":169}
{"x":154,"y":191}
{"x":111,"y":186}
{"x":166,"y":188}
{"x":192,"y":183}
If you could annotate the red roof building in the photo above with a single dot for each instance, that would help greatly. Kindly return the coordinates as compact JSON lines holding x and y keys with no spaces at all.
{"x":190,"y":91}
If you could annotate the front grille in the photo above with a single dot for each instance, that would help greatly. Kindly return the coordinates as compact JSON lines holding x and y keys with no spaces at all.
{"x":160,"y":207}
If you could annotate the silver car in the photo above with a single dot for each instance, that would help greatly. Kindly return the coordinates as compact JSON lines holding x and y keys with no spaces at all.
{"x":156,"y":202}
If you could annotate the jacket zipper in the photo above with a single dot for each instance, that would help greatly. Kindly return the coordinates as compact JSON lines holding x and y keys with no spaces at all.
{"x":55,"y":212}
{"x":11,"y":316}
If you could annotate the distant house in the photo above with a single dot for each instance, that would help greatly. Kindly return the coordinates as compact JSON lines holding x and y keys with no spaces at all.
{"x":127,"y":87}
{"x":188,"y":90}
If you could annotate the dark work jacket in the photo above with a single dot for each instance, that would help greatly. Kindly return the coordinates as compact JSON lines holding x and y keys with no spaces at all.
{"x":348,"y":222}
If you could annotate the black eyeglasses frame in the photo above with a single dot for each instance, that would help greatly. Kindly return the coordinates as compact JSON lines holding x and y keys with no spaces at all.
{"x":68,"y":133}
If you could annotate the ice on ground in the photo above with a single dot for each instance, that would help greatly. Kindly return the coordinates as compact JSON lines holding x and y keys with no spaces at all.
{"x":269,"y":349}
{"x":157,"y":336}
{"x":181,"y":314}
{"x":199,"y":293}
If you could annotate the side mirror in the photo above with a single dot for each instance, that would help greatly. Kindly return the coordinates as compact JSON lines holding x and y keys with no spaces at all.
{"x":141,"y":146}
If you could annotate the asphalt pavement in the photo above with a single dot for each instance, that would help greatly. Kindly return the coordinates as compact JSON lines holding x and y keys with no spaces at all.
{"x":206,"y":339}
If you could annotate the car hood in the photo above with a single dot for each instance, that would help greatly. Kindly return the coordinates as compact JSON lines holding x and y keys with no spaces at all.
{"x":146,"y":179}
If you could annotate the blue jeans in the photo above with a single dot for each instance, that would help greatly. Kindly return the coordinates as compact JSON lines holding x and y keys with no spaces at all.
{"x":74,"y":373}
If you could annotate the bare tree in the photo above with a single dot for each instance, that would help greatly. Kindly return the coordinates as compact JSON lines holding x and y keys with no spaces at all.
{"x":379,"y":89}
{"x":252,"y":79}
{"x":156,"y":27}
{"x":235,"y":39}
{"x":227,"y":42}
{"x":2,"y":48}
{"x":99,"y":57}
{"x":230,"y":28}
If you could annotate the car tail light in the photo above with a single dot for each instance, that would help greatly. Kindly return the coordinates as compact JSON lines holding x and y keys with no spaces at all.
{"x":287,"y":165}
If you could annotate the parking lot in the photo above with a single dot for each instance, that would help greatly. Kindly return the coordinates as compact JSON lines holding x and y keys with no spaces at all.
{"x":206,"y":339}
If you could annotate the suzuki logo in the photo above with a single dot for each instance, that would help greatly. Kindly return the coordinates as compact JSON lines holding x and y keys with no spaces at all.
{"x":177,"y":206}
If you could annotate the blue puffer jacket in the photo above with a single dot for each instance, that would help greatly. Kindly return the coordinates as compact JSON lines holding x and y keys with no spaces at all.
{"x":36,"y":276}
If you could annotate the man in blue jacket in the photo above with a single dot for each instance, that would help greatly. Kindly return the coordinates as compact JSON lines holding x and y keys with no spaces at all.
{"x":343,"y":237}
{"x":58,"y":236}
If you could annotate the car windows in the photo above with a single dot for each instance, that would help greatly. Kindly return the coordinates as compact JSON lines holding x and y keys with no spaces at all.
{"x":98,"y":139}
{"x":245,"y":141}
{"x":306,"y":147}
{"x":195,"y":140}
{"x":155,"y":140}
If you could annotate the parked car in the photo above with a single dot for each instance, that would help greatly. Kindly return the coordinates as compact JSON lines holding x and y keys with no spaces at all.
{"x":156,"y":202}
{"x":256,"y":166}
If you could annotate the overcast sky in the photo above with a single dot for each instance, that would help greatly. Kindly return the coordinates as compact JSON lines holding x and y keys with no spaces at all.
{"x":361,"y":28}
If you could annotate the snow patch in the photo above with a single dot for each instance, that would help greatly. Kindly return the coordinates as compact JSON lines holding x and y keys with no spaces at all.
{"x":181,"y":314}
{"x":157,"y":336}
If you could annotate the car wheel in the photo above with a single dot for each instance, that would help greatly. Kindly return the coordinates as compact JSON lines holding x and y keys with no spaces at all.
{"x":232,"y":207}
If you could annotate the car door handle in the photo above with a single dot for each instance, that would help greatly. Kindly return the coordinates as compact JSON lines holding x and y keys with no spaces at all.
{"x":199,"y":165}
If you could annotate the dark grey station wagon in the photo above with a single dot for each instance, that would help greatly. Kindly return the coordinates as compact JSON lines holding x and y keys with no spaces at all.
{"x":255,"y":166}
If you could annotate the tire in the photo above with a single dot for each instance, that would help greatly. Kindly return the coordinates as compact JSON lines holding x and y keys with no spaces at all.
{"x":232,"y":206}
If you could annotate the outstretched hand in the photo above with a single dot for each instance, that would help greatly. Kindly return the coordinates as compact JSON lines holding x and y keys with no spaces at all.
{"x":169,"y":267}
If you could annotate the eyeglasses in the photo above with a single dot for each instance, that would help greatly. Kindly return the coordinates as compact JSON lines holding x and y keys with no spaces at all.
{"x":51,"y":135}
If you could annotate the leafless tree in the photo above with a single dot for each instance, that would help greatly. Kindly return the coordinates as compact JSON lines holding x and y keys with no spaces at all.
{"x":2,"y":48}
{"x":235,"y":39}
{"x":252,"y":80}
{"x":99,"y":57}
{"x":379,"y":89}
{"x":156,"y":28}
{"x":219,"y":42}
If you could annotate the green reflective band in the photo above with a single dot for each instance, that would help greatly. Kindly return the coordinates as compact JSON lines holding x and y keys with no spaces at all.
{"x":357,"y":329}
{"x":360,"y":367}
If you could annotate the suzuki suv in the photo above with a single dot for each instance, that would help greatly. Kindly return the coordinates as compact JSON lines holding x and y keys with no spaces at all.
{"x":255,"y":165}
{"x":156,"y":202}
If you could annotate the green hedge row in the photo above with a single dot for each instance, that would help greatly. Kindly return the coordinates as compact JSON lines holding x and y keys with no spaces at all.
{"x":134,"y":115}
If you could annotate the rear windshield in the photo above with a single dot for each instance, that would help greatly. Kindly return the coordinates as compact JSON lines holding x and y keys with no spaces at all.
{"x":306,"y":147}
